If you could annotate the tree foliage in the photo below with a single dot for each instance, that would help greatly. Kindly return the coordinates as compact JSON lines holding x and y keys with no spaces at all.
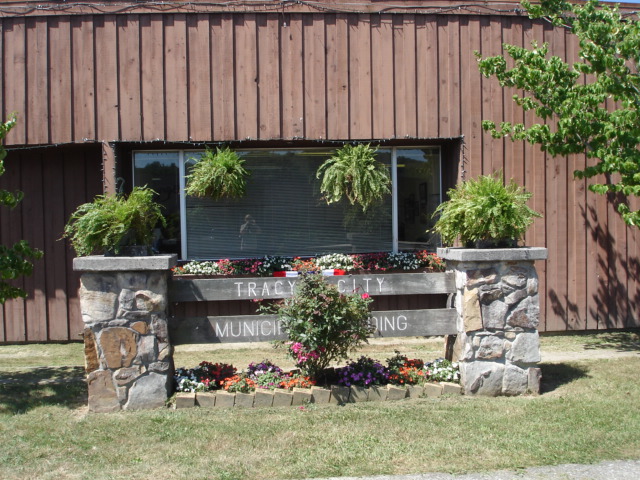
{"x":15,"y":260}
{"x":574,"y":101}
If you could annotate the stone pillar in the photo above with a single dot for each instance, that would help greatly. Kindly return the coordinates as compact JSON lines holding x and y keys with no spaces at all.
{"x":129,"y":358}
{"x":498,"y":307}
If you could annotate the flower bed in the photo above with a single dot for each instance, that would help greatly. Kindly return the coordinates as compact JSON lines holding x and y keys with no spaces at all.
{"x":357,"y":263}
{"x":266,"y":384}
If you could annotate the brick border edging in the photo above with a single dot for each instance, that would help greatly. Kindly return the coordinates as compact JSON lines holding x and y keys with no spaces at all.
{"x":335,"y":395}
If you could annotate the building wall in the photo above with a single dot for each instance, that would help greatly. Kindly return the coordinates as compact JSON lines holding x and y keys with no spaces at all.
{"x":283,"y":77}
{"x":54,"y":181}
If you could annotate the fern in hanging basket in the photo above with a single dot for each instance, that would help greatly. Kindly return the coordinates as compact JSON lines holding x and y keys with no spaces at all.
{"x":218,"y":175}
{"x":353,"y":172}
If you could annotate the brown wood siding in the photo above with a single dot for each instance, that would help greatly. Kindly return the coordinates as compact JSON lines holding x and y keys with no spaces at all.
{"x":54,"y":181}
{"x":233,"y":77}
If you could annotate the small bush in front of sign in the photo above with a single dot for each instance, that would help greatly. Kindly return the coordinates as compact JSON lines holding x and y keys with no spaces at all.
{"x":322,"y":324}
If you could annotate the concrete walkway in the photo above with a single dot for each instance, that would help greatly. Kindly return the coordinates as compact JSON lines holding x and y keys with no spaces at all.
{"x":612,"y":470}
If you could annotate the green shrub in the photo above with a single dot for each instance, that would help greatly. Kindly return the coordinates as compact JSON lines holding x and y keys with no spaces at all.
{"x":484,"y":209}
{"x":322,"y":324}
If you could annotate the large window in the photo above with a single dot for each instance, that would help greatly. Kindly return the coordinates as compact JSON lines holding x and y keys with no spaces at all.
{"x":283,"y":212}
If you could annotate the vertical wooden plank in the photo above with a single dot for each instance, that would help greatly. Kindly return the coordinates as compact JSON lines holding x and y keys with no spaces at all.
{"x":383,"y":54}
{"x":514,"y":154}
{"x":618,"y":268}
{"x":557,"y":219}
{"x":106,"y":48}
{"x":75,"y":193}
{"x":129,"y":78}
{"x":338,"y":77}
{"x":11,"y":232}
{"x":428,"y":76}
{"x":453,"y":40}
{"x":83,"y":79}
{"x":199,"y":62}
{"x":152,"y":76}
{"x":33,"y":220}
{"x":360,"y":77}
{"x":471,"y":97}
{"x":246,"y":76}
{"x":535,"y":182}
{"x":37,"y":107}
{"x":14,"y":83}
{"x":61,"y":124}
{"x":55,"y":251}
{"x":633,"y":266}
{"x":404,"y":68}
{"x":292,"y":80}
{"x":444,"y":78}
{"x":576,"y":315}
{"x":577,"y":253}
{"x":492,"y":150}
{"x":269,"y":77}
{"x":176,"y":105}
{"x":223,"y":77}
{"x":315,"y":118}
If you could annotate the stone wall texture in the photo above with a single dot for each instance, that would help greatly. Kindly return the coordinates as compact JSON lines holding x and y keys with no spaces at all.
{"x":129,"y":358}
{"x":498,"y":315}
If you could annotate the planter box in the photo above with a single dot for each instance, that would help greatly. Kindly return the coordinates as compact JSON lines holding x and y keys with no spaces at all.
{"x":225,"y":399}
{"x":264,"y":398}
{"x":282,"y":398}
{"x":185,"y":400}
{"x":377,"y":394}
{"x":358,"y":394}
{"x":396,"y":393}
{"x":339,"y":395}
{"x":244,"y":400}
{"x":432,"y":389}
{"x":320,"y":395}
{"x":415,"y":391}
{"x":301,"y":396}
{"x":206,"y":399}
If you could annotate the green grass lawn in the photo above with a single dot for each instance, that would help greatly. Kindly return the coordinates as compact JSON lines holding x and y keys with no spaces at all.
{"x":589,"y":411}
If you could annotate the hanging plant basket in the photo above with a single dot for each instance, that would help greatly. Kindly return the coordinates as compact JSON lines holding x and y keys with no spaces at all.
{"x":218,"y":175}
{"x":355,"y":174}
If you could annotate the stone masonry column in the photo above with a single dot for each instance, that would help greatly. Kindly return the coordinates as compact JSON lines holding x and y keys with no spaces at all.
{"x":129,"y":358}
{"x":498,"y":307}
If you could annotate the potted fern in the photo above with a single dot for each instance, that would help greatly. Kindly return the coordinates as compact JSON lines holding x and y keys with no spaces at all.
{"x":218,"y":175}
{"x":115,"y":224}
{"x":354,"y":173}
{"x":485,"y":213}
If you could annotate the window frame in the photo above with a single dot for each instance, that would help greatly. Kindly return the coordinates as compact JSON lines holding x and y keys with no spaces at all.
{"x":183,"y":155}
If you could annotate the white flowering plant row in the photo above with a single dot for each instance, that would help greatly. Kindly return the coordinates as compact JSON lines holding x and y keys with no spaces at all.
{"x":266,"y":266}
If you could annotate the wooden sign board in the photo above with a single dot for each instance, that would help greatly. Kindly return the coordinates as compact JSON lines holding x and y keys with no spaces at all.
{"x":264,"y":328}
{"x":182,"y":289}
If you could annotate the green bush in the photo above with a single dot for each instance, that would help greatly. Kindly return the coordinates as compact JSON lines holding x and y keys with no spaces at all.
{"x":483,"y":210}
{"x":111,"y":222}
{"x":322,"y":324}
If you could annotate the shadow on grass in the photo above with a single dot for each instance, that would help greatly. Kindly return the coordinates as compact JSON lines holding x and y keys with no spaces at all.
{"x":620,"y":341}
{"x":24,"y":390}
{"x":555,"y":375}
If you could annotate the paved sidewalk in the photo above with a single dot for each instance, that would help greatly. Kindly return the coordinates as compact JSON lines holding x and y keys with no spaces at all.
{"x":612,"y":470}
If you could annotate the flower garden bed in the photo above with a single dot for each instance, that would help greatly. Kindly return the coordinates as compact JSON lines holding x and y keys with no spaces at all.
{"x":336,"y":263}
{"x":266,"y":385}
{"x":334,"y":394}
